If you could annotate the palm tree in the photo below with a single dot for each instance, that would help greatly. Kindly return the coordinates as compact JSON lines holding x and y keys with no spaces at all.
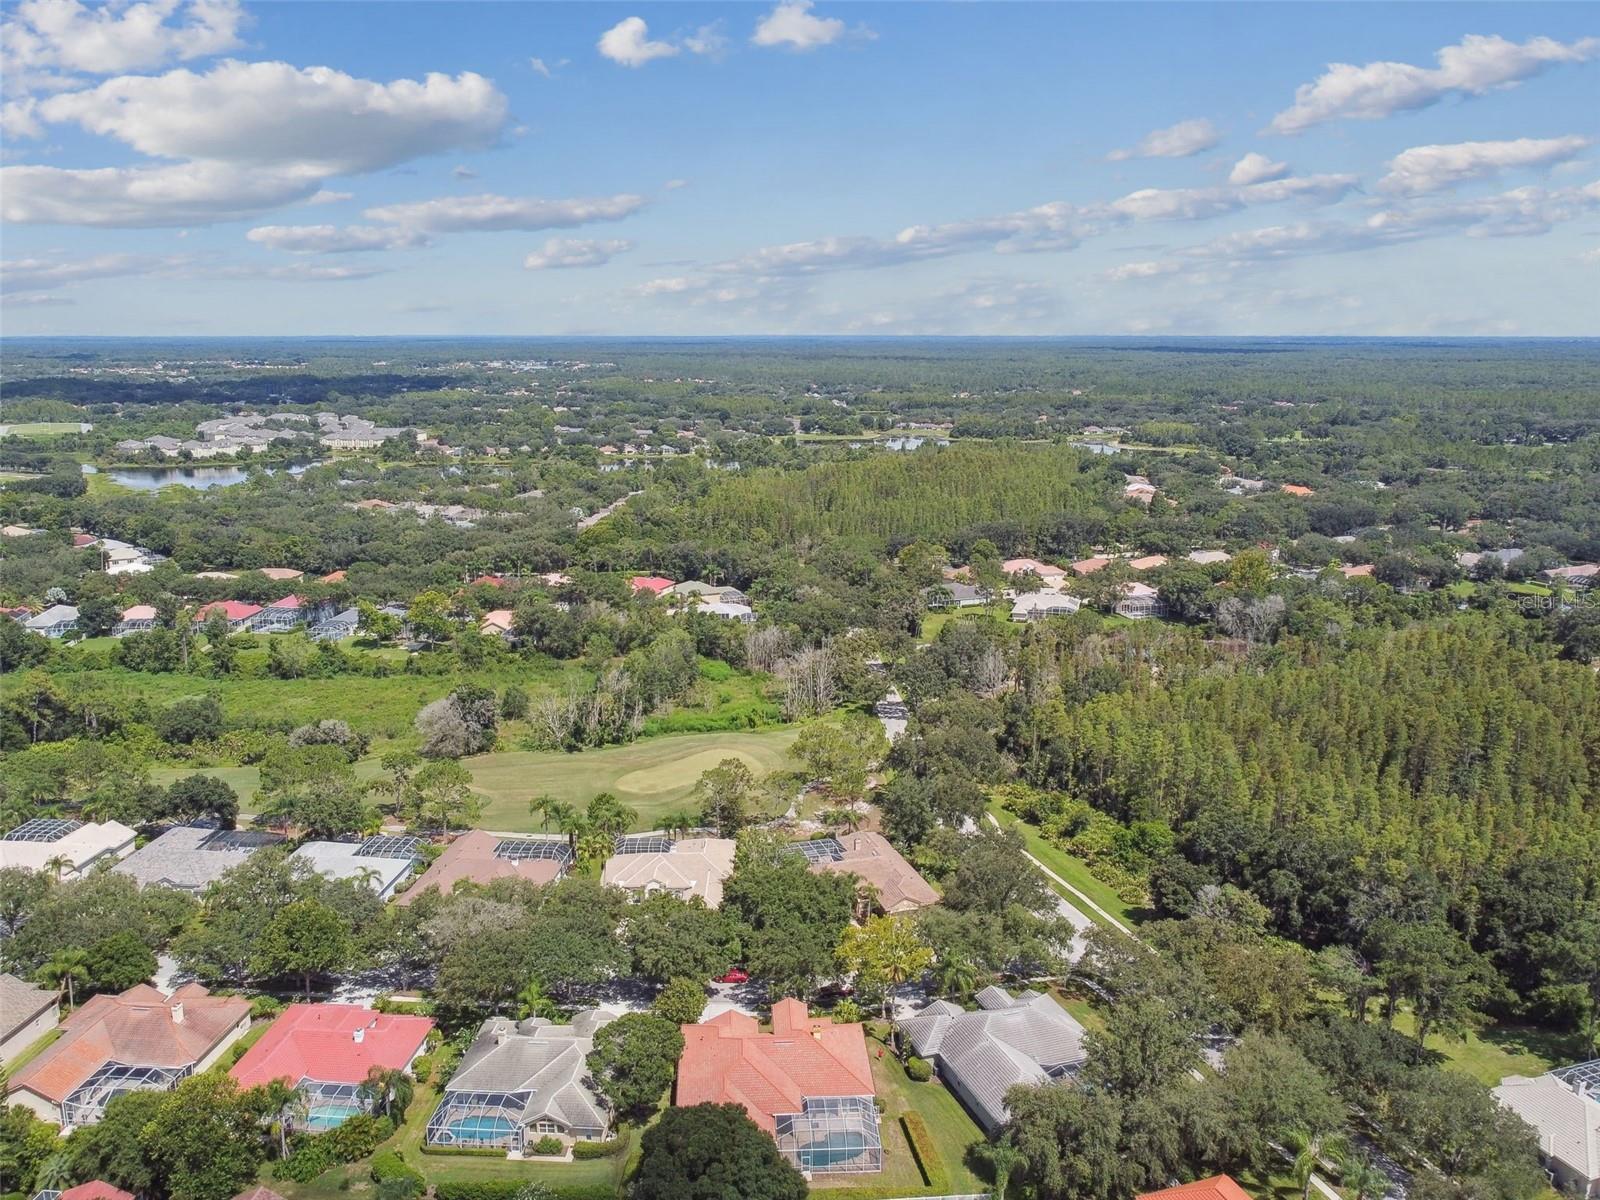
{"x":65,"y":968}
{"x":55,"y":1172}
{"x":677,"y":823}
{"x":544,"y":807}
{"x":1363,"y":1179}
{"x":369,"y":877}
{"x":595,"y":845}
{"x":58,"y":865}
{"x":955,"y":976}
{"x":569,"y":821}
{"x":387,"y":1090}
{"x":282,"y":1104}
{"x":1309,"y":1151}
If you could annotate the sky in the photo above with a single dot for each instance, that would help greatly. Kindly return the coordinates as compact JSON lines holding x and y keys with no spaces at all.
{"x":195,"y":167}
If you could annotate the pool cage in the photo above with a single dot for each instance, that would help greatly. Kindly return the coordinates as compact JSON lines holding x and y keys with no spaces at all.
{"x":329,"y":1105}
{"x":487,"y":1119}
{"x":832,"y":1135}
{"x":87,"y":1102}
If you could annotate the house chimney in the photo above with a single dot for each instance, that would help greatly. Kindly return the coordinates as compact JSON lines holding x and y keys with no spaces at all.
{"x":177,"y":1013}
{"x":359,"y":1036}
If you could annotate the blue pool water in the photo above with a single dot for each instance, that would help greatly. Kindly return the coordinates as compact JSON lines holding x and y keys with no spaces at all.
{"x":469,"y":1130}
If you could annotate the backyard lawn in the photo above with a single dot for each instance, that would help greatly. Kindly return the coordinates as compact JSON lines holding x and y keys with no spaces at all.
{"x":1496,"y":1051}
{"x":654,"y":776}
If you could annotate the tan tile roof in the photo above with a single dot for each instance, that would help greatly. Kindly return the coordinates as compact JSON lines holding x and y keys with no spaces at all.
{"x":871,"y":857}
{"x":693,"y":867}
{"x":138,"y":1028}
{"x":471,"y":856}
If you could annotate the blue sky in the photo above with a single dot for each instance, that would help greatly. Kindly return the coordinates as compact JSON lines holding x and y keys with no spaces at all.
{"x":205,"y":167}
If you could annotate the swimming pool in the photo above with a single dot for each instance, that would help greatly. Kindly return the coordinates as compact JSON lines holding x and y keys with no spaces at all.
{"x":483,"y":1130}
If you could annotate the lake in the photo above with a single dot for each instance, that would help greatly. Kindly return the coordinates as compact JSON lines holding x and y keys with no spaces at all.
{"x":151,"y":479}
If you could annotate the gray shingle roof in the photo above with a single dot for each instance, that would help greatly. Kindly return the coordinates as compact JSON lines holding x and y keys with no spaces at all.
{"x":1567,"y":1122}
{"x":20,"y":1003}
{"x":1029,"y":1039}
{"x":191,"y":857}
{"x":535,"y":1056}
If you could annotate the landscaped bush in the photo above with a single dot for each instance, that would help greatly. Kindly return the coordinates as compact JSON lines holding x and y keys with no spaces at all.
{"x":507,"y":1189}
{"x":918,"y":1070}
{"x":312,"y":1154}
{"x":409,"y":1008}
{"x":387,"y":1164}
{"x":599,"y":1149}
{"x":463,"y":1151}
{"x":547,"y":1145}
{"x":923,"y":1148}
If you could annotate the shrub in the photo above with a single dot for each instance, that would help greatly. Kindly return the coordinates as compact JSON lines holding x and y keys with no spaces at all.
{"x":918,"y":1070}
{"x":548,"y":1145}
{"x":922,"y":1148}
{"x":585,"y":1150}
{"x":387,"y":1164}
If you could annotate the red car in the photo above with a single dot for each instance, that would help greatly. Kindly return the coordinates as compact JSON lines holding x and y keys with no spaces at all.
{"x":737,"y":975}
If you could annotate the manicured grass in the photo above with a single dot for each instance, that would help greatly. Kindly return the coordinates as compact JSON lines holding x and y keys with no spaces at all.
{"x":1074,"y":870}
{"x":654,"y":776}
{"x":28,"y":1053}
{"x":1500,"y":1050}
{"x":41,"y":429}
{"x":950,"y":1130}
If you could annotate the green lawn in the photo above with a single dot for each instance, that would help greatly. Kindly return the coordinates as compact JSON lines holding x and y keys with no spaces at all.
{"x":654,"y":776}
{"x":1074,"y":870}
{"x":31,"y":1052}
{"x":1500,"y":1050}
{"x":949,"y":1127}
{"x":41,"y":429}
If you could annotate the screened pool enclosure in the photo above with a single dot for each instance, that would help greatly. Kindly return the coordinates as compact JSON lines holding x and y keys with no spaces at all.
{"x":832,"y":1134}
{"x":487,"y":1119}
{"x":87,"y":1102}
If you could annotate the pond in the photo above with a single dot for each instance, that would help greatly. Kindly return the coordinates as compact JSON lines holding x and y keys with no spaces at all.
{"x":151,"y":479}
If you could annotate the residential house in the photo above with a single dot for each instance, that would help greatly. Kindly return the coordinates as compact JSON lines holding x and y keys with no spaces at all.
{"x":1578,"y":575}
{"x":1139,"y":600}
{"x":685,"y":868}
{"x":656,"y":585}
{"x":141,"y":1040}
{"x":281,"y":616}
{"x":1563,"y":1107}
{"x":728,"y":611}
{"x":140,"y":618}
{"x":27,"y":1013}
{"x":1148,"y":563}
{"x":191,"y":858}
{"x":1049,"y":572}
{"x":54,"y":622}
{"x":520,"y":1081}
{"x":896,"y":887}
{"x":1138,"y":489}
{"x":497,"y":623}
{"x":327,"y":1051}
{"x":697,"y":590}
{"x":1088,"y":566}
{"x":1036,"y":606}
{"x":337,"y":627}
{"x":1468,"y":559}
{"x":333,"y":577}
{"x":1357,"y":571}
{"x":18,"y":531}
{"x":893,"y":713}
{"x":382,"y":863}
{"x":808,"y":1084}
{"x":479,"y":857}
{"x":65,"y":848}
{"x":952,"y":594}
{"x":239,"y":614}
{"x":1218,"y":1187}
{"x":1208,"y":558}
{"x":1238,"y":485}
{"x":1026,"y":1039}
{"x":1297,"y":489}
{"x":281,"y":574}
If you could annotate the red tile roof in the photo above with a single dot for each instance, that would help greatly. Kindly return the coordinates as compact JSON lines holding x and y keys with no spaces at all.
{"x":333,"y":577}
{"x":141,"y":1027}
{"x":234,"y":610}
{"x":290,"y":601}
{"x":81,"y":540}
{"x":728,"y":1060}
{"x":95,"y":1189}
{"x":258,"y":1193}
{"x":319,"y":1041}
{"x":1218,"y":1187}
{"x":649,"y":583}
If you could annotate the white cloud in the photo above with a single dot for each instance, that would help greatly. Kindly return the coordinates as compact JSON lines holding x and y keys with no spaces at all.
{"x":1193,"y":204}
{"x":1430,"y":168}
{"x":271,"y":114}
{"x":295,"y":272}
{"x":1141,"y":270}
{"x":628,"y":42}
{"x":547,"y":69}
{"x":1175,"y":141}
{"x":575,"y":252}
{"x":792,"y":24}
{"x":1472,"y":67}
{"x":334,"y":239}
{"x":34,"y":300}
{"x":41,"y":274}
{"x":194,"y":193}
{"x":42,"y":37}
{"x":324,"y":196}
{"x":489,"y":212}
{"x":663,"y":287}
{"x":708,"y":41}
{"x":1256,"y":168}
{"x":673,"y":185}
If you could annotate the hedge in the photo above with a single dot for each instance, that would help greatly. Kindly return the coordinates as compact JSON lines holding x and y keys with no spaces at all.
{"x":599,"y":1149}
{"x":918,"y":1070}
{"x":507,"y":1189}
{"x":387,"y":1164}
{"x":923,"y":1149}
{"x":546,"y":1147}
{"x":463,"y":1151}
